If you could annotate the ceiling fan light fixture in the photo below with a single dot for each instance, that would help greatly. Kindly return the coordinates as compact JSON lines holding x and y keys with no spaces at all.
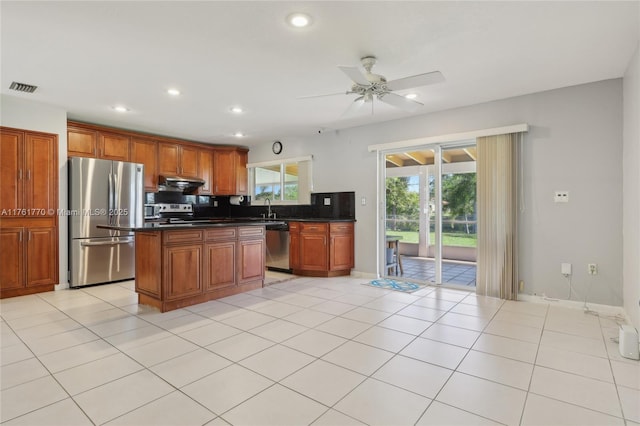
{"x":236,"y":109}
{"x":173,"y":92}
{"x":411,"y":95}
{"x":239,"y":135}
{"x":299,"y":20}
{"x":120,"y":108}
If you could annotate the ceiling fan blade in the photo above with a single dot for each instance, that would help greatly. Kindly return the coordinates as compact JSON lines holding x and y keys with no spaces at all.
{"x":400,"y":102}
{"x":322,"y":96}
{"x":355,"y":75}
{"x":416,"y":81}
{"x":354,"y":107}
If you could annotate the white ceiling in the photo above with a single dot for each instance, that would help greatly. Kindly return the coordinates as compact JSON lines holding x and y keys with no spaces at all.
{"x":88,"y":56}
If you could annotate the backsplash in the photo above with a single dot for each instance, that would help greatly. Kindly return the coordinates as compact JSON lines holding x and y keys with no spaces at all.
{"x":325,"y":205}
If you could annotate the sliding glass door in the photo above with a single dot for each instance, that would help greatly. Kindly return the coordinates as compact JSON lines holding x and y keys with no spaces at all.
{"x":430,"y":219}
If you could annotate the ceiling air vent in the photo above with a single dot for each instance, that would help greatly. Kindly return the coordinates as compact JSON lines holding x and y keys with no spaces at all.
{"x":21,"y":87}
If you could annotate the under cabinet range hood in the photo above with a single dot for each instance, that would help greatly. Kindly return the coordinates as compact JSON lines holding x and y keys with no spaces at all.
{"x":178,"y":183}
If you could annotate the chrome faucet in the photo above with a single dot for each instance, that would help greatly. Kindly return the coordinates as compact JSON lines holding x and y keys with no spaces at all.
{"x":268,"y":201}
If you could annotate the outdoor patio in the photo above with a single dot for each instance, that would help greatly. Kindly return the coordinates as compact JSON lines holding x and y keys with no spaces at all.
{"x":424,"y":269}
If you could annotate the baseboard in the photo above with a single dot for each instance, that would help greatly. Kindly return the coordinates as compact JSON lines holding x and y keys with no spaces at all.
{"x":574,"y":304}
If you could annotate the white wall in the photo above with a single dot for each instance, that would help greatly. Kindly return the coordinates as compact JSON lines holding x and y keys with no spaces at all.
{"x":26,"y":114}
{"x":575,"y":144}
{"x":631,"y":189}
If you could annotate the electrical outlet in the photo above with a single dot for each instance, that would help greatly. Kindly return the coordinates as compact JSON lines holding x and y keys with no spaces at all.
{"x":215,"y":203}
{"x":363,"y":201}
{"x":327,"y":201}
{"x":592,"y":268}
{"x":561,"y":197}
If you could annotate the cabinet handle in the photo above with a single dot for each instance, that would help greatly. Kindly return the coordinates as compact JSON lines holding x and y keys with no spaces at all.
{"x":20,"y":237}
{"x":20,"y":174}
{"x":28,"y":174}
{"x":29,"y":235}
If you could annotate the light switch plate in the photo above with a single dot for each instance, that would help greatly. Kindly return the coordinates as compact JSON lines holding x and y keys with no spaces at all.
{"x":363,"y":201}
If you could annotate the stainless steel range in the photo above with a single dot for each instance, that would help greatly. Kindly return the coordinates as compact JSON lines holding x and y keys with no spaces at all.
{"x":174,"y":212}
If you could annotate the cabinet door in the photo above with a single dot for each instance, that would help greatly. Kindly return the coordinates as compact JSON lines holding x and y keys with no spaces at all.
{"x":41,"y":256}
{"x":41,"y":179}
{"x":146,"y":152}
{"x":250,"y":260}
{"x":219,"y":264}
{"x":11,"y":173}
{"x":81,"y":142}
{"x":113,"y":147}
{"x":242,"y":176}
{"x":224,"y":173}
{"x":12,"y":259}
{"x":205,"y":172}
{"x":341,"y":252}
{"x":168,"y":158}
{"x":294,"y":250}
{"x":189,"y":161}
{"x":182,"y":273}
{"x":313,"y":251}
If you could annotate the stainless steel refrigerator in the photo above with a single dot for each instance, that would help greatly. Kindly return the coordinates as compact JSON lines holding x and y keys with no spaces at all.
{"x":103,"y":192}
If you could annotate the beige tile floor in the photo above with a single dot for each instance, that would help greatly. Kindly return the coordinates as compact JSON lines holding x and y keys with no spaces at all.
{"x":310,"y":351}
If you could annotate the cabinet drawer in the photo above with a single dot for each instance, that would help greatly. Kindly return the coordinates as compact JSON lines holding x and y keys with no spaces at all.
{"x":250,"y":232}
{"x":294,"y":226}
{"x":222,"y":234}
{"x":313,"y":227}
{"x":341,"y":227}
{"x":172,"y":237}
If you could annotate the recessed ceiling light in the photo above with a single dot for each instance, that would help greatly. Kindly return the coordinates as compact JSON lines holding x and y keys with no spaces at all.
{"x":238,"y":135}
{"x":299,"y":20}
{"x":411,"y":96}
{"x":121,"y":108}
{"x":173,"y":92}
{"x":236,"y":110}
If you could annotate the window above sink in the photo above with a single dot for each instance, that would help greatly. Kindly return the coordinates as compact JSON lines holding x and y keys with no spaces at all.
{"x":287,"y":181}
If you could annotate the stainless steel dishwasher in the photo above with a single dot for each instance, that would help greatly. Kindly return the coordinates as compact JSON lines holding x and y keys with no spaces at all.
{"x":278,"y":248}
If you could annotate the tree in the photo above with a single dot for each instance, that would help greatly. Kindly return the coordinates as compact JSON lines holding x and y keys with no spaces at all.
{"x":400,"y":201}
{"x":459,"y":192}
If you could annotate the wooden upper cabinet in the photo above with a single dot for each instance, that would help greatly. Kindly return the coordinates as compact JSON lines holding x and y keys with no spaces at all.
{"x":189,"y":161}
{"x":230,"y":172}
{"x":28,"y":172}
{"x":41,"y":164}
{"x":81,"y":142}
{"x":205,"y":172}
{"x":224,"y":178}
{"x":146,"y":152}
{"x":11,"y":173}
{"x":177,"y":160}
{"x":242,"y":175}
{"x":168,"y":159}
{"x":113,"y":146}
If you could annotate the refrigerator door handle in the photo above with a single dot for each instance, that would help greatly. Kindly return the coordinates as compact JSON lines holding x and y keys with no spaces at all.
{"x":110,"y":198}
{"x":106,"y":243}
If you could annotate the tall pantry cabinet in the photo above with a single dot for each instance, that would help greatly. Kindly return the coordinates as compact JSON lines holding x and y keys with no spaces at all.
{"x":28,"y":212}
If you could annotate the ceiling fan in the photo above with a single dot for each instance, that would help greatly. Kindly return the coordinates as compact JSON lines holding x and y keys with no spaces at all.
{"x":369,"y":86}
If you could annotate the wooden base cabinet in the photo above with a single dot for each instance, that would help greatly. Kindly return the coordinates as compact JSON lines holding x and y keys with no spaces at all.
{"x":29,"y":261}
{"x":178,"y":268}
{"x":321,"y":249}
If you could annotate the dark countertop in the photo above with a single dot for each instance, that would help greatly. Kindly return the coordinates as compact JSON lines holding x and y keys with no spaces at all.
{"x":218,"y":223}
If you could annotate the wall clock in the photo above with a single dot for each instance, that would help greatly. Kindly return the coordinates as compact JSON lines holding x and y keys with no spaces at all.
{"x":277,"y":147}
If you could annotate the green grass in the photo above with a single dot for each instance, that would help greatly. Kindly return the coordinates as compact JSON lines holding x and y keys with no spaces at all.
{"x":448,"y":239}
